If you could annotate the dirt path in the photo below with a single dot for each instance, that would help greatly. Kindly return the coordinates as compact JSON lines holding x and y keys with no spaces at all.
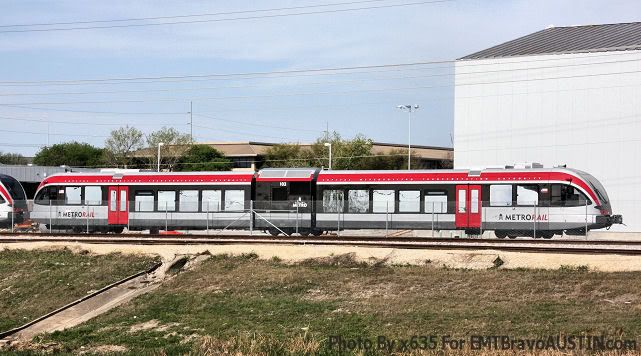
{"x":293,"y":253}
{"x":101,"y":303}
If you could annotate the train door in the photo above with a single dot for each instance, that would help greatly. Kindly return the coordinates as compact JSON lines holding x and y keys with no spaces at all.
{"x":118,"y":206}
{"x":468,"y":207}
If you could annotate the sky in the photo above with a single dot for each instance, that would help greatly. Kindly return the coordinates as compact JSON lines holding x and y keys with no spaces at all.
{"x":252,"y":75}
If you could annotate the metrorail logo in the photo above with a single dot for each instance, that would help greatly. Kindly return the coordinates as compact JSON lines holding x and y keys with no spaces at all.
{"x":76,"y":214}
{"x":523,"y":217}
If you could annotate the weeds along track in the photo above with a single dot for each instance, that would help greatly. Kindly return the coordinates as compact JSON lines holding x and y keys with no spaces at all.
{"x":530,"y":245}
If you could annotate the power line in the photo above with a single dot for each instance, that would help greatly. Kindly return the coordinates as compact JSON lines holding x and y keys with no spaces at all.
{"x":90,"y":123}
{"x":457,"y":74}
{"x":325,"y":92}
{"x":245,"y":133}
{"x":191,"y":15}
{"x":51,"y":134}
{"x":227,"y":19}
{"x":257,"y":124}
{"x":98,"y":112}
{"x":271,"y":74}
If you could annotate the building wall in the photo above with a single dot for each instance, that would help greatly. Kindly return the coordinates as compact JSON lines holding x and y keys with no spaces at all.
{"x":572,"y":109}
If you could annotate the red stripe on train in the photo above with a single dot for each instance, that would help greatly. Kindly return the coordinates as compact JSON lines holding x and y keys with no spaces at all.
{"x":5,"y":194}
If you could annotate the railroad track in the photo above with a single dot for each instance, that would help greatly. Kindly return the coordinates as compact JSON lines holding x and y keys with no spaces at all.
{"x":531,"y":245}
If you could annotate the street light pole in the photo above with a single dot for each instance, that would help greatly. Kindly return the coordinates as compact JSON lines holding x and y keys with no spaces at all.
{"x":409,"y":109}
{"x":329,"y":145}
{"x":159,"y":144}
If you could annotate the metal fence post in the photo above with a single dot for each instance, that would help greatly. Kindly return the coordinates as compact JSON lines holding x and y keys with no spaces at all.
{"x":13,"y":212}
{"x":297,"y":218}
{"x":433,"y":206}
{"x":338,"y":222}
{"x":386,"y":218}
{"x":166,"y":215}
{"x":251,"y":217}
{"x":50,"y":217}
{"x":207,"y":223}
{"x":586,"y":219}
{"x":87,"y":212}
{"x":534,"y":235}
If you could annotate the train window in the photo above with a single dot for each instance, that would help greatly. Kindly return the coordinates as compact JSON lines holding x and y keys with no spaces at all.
{"x":299,"y":188}
{"x":93,"y":195}
{"x":73,"y":195}
{"x":527,"y":195}
{"x":436,"y":202}
{"x":500,"y":195}
{"x":474,"y":201}
{"x":383,"y":201}
{"x":211,"y":200}
{"x":333,"y":201}
{"x":234,"y":200}
{"x":112,"y":200}
{"x":14,"y":187}
{"x":144,"y":200}
{"x":409,"y":201}
{"x":188,"y":200}
{"x":123,"y":200}
{"x":461,"y":201}
{"x":564,"y":195}
{"x":358,"y":201}
{"x":47,"y":196}
{"x":166,"y":200}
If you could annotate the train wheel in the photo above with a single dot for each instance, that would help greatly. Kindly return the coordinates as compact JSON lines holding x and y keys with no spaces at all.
{"x":500,"y":234}
{"x":317,"y":232}
{"x":274,"y":232}
{"x":304,"y":233}
{"x":118,"y":230}
{"x":547,"y":235}
{"x":512,"y":236}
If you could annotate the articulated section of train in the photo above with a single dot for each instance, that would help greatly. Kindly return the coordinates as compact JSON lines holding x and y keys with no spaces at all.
{"x":511,"y":202}
{"x":13,"y":201}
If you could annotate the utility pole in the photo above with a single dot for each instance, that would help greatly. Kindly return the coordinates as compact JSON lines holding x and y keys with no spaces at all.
{"x":409,"y":109}
{"x":191,"y":122}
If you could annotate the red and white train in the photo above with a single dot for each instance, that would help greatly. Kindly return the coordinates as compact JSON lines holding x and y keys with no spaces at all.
{"x":511,"y":202}
{"x":13,"y":201}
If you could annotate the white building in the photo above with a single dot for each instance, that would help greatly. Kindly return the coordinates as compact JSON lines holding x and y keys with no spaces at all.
{"x":563,"y":95}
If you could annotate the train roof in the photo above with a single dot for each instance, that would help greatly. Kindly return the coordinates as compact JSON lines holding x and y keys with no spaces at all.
{"x":150,"y":177}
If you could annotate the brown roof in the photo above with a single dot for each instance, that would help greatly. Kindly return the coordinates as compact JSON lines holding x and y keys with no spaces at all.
{"x":254,"y":149}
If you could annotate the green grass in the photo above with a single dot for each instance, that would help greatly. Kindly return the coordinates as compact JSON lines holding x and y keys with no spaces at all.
{"x":241,"y":304}
{"x":33,"y":283}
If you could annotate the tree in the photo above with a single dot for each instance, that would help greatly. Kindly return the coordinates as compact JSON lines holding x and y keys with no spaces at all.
{"x":175,"y":144}
{"x":121,"y":144}
{"x":71,"y":154}
{"x":202,"y":158}
{"x":12,"y":158}
{"x":346,"y":154}
{"x":285,"y":155}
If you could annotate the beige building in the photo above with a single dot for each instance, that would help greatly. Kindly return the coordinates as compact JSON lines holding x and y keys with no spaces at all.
{"x":250,"y":155}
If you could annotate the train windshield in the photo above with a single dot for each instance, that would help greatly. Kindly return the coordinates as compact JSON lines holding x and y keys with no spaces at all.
{"x":597,"y":186}
{"x":14,"y":188}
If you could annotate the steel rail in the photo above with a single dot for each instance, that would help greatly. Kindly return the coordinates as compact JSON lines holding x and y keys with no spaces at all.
{"x":443,"y":244}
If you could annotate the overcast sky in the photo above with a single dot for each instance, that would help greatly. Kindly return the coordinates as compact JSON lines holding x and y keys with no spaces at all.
{"x":276,"y":108}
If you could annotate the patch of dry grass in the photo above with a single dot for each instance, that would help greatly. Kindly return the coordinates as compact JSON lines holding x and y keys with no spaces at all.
{"x":33,"y":283}
{"x":245,"y":306}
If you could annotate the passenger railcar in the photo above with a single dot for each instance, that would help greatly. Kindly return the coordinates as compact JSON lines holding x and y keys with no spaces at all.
{"x":512,"y":202}
{"x":13,"y":201}
{"x":110,"y":202}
